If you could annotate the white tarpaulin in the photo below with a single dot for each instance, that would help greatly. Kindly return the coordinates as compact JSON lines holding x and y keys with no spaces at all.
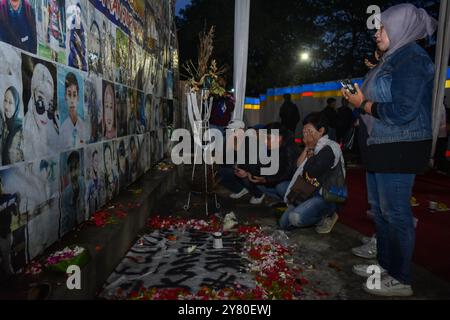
{"x":442,"y":56}
{"x":241,"y":30}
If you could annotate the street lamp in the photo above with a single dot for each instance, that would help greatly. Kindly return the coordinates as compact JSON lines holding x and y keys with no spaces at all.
{"x":304,"y":57}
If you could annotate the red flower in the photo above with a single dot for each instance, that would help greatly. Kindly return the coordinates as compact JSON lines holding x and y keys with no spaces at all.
{"x":287,"y":296}
{"x":121,"y":214}
{"x":248,"y":229}
{"x":281,"y":264}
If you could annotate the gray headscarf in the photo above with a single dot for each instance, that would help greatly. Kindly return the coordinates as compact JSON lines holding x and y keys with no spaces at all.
{"x":404,"y":23}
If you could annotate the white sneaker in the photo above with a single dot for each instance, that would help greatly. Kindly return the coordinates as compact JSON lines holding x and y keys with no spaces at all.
{"x":368,"y":250}
{"x":239,"y":194}
{"x":390,"y":287}
{"x":327,"y":224}
{"x":255,"y":200}
{"x":365,"y":239}
{"x":362,"y":270}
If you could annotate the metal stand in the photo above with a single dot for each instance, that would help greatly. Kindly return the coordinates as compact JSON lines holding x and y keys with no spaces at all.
{"x":199,"y":118}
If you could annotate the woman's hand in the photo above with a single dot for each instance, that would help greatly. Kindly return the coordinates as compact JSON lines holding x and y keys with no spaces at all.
{"x":309,"y":138}
{"x":257,"y":180}
{"x":355,"y":99}
{"x":369,"y":64}
{"x":309,"y":153}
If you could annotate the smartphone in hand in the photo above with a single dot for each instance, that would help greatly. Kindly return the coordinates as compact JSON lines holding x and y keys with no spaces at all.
{"x":347,"y":84}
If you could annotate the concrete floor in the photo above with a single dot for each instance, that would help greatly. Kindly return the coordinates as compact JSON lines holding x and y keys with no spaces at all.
{"x":326,"y":259}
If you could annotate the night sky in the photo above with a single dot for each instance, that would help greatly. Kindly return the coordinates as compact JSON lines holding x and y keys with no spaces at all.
{"x":181,"y":4}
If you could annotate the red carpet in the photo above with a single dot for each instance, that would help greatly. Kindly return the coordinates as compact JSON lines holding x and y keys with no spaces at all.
{"x":432,"y":249}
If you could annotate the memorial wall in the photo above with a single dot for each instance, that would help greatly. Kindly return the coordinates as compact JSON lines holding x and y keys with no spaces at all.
{"x":86,"y":96}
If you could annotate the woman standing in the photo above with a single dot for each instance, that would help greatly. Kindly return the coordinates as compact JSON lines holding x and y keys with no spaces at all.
{"x":395,"y":101}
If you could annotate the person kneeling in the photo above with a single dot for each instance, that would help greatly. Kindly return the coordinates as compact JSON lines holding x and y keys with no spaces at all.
{"x":250,"y":178}
{"x":319,"y":182}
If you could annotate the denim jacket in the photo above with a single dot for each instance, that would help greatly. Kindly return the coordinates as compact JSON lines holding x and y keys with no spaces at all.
{"x":403,"y":91}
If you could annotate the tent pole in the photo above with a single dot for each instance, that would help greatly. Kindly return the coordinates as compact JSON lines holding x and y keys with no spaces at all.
{"x":441,"y":61}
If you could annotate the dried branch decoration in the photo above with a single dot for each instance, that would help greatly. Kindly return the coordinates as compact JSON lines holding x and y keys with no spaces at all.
{"x":204,"y":71}
{"x":205,"y":50}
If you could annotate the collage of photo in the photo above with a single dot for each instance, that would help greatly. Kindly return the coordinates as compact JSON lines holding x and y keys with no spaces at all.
{"x":82,"y":99}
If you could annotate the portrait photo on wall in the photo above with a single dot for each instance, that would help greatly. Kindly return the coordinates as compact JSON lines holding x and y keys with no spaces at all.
{"x":168,"y":112}
{"x":133,"y":151}
{"x":95,"y":49}
{"x":96,"y":42}
{"x":109,"y":111}
{"x":43,"y":206}
{"x":136,"y":29}
{"x":154,"y":148}
{"x":51,"y":29}
{"x":93,"y":108}
{"x":161,"y":144}
{"x":41,"y":124}
{"x":123,"y":52}
{"x":95,"y":187}
{"x":131,"y":64}
{"x":110,"y":171}
{"x":148,"y":110}
{"x":141,"y":116}
{"x":76,"y":21}
{"x":73,"y":133}
{"x":138,"y":68}
{"x":155,"y":118}
{"x":11,"y":106}
{"x":169,"y":84}
{"x":165,"y":49}
{"x":123,"y":164}
{"x":18,"y":24}
{"x":166,"y":143}
{"x":160,"y":81}
{"x":150,"y":73}
{"x":147,"y":152}
{"x":13,"y":219}
{"x":150,"y":30}
{"x":72,"y":183}
{"x":101,"y":44}
{"x":143,"y":154}
{"x":132,"y":111}
{"x":162,"y":113}
{"x":122,"y":110}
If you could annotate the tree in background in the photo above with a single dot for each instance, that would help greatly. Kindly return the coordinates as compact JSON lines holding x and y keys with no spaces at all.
{"x":333,"y":32}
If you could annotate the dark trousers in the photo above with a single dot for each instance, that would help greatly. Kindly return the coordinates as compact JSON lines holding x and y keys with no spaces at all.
{"x":440,"y":161}
{"x":235,"y":184}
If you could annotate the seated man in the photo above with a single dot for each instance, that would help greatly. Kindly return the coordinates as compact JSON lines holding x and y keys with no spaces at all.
{"x":321,"y":165}
{"x":244,"y":179}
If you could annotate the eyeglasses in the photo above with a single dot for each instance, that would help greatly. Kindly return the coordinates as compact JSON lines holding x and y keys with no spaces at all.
{"x":41,"y":107}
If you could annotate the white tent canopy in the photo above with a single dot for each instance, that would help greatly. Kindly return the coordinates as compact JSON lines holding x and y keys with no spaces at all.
{"x":442,"y":56}
{"x":241,"y":31}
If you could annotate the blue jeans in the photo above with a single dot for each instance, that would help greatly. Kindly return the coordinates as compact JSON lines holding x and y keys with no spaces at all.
{"x":235,"y":184}
{"x":276,"y":192}
{"x":389,"y":197}
{"x":308,"y":213}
